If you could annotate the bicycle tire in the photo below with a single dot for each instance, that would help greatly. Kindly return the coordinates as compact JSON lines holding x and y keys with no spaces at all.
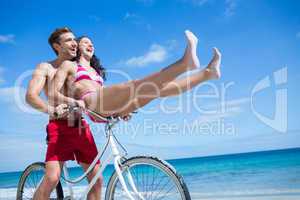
{"x":35,"y":170}
{"x":143,"y":162}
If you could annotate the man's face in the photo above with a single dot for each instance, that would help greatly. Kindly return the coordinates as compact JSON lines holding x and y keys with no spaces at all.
{"x":67,"y":45}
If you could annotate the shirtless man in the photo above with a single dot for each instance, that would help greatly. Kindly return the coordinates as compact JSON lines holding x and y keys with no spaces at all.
{"x":64,"y":141}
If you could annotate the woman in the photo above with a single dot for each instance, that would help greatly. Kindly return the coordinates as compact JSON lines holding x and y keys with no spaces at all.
{"x":85,"y":78}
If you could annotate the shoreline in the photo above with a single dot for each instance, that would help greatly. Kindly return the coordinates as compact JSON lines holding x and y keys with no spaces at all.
{"x":270,"y":194}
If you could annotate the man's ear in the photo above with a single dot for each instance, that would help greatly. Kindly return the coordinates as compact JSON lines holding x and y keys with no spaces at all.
{"x":56,"y":46}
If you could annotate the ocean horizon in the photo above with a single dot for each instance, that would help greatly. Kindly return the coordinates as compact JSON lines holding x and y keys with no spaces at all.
{"x":262,"y":175}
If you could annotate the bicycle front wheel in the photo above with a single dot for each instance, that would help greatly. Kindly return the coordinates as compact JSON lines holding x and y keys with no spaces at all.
{"x":30,"y":180}
{"x":153,"y":179}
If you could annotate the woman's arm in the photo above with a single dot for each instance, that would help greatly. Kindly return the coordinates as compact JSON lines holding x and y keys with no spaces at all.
{"x":64,"y":70}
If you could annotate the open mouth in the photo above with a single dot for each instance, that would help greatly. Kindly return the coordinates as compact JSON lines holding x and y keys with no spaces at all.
{"x":89,"y":49}
{"x":73,"y":50}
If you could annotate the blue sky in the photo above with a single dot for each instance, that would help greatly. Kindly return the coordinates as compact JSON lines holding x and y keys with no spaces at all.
{"x":138,"y":37}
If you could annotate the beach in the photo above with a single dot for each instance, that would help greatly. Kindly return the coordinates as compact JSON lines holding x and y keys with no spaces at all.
{"x":271,"y":175}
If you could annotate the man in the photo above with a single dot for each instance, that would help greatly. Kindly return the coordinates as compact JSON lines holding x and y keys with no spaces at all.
{"x":65,"y":142}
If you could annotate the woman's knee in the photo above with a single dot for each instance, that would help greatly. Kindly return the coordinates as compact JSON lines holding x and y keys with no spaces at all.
{"x":94,"y":173}
{"x":98,"y":183}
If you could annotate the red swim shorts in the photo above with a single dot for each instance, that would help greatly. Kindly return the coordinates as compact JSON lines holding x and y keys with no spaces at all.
{"x":70,"y":143}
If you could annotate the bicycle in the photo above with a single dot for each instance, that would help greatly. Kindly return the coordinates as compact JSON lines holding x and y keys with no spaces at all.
{"x":135,"y":178}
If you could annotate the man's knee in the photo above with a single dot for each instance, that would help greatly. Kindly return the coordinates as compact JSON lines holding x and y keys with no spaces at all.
{"x":52,"y":175}
{"x":49,"y":183}
{"x":52,"y":180}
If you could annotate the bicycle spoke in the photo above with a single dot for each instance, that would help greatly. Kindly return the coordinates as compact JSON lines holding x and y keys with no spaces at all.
{"x":153,"y":179}
{"x":32,"y":179}
{"x":166,"y":193}
{"x":151,"y":182}
{"x":157,"y":185}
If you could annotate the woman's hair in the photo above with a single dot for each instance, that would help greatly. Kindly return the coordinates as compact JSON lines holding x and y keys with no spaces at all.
{"x":95,"y":62}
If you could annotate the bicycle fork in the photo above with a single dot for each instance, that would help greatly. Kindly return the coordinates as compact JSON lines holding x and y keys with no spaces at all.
{"x":117,"y":164}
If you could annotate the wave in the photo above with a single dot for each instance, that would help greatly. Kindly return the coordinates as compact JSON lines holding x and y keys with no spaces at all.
{"x":10,"y":194}
{"x":246,"y":193}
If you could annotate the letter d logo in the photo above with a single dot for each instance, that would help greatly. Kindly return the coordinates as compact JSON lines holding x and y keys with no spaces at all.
{"x":279,"y":122}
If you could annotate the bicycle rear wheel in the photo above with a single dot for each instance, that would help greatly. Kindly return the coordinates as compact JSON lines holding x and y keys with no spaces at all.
{"x":154,"y":179}
{"x":30,"y":180}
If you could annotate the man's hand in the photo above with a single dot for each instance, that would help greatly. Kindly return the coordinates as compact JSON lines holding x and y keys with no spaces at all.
{"x":80,"y":104}
{"x":62,"y":110}
{"x":59,"y":111}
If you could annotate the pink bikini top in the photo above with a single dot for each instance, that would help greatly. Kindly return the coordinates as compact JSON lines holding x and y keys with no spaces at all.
{"x":83,"y":74}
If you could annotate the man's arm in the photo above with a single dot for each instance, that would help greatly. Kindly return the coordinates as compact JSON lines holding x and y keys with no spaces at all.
{"x":66,"y":68}
{"x":36,"y":85}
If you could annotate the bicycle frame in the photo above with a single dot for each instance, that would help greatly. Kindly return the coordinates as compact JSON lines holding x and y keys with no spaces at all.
{"x":122,"y":167}
{"x":115,"y":155}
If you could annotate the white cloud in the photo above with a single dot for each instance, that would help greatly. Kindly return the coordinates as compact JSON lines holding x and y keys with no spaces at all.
{"x":172,"y":44}
{"x":148,"y":2}
{"x":230,"y":112}
{"x":136,"y":20}
{"x":199,"y":2}
{"x":231,"y":108}
{"x":14,"y":98}
{"x":1,"y":75}
{"x":156,"y":54}
{"x":130,"y":16}
{"x":236,"y":102}
{"x":94,"y":18}
{"x":7,"y":94}
{"x":230,"y":7}
{"x":27,"y":149}
{"x":10,"y":38}
{"x":230,"y":103}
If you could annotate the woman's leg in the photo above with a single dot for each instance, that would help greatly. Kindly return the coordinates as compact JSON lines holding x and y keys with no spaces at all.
{"x":212,"y":71}
{"x":176,"y":87}
{"x":114,"y":99}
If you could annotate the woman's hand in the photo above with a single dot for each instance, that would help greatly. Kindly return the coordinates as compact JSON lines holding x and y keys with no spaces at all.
{"x":80,"y":104}
{"x":126,"y":117}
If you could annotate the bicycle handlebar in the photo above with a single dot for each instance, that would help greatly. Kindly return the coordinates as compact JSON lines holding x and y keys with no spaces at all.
{"x":108,"y":119}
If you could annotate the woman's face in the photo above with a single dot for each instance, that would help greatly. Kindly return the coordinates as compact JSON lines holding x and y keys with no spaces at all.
{"x":86,"y":47}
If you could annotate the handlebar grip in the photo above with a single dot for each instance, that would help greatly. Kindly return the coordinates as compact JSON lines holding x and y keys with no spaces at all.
{"x":55,"y":114}
{"x":73,"y":107}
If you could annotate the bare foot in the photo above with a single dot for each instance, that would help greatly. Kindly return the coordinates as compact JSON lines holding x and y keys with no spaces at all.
{"x":190,"y":56}
{"x":213,"y":68}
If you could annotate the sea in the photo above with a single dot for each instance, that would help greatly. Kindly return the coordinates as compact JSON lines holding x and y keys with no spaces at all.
{"x":267,"y":175}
